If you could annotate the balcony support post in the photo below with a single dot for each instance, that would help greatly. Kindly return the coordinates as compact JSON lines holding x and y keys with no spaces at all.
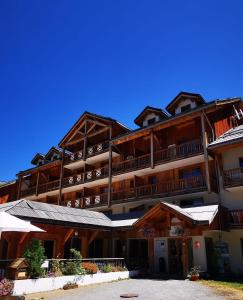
{"x":19,"y":187}
{"x":85,"y":140}
{"x":110,"y":170}
{"x":37,"y":183}
{"x":61,"y":178}
{"x":152,"y":149}
{"x":205,"y":144}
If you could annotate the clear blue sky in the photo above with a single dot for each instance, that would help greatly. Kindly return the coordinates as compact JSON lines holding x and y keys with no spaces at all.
{"x":59,"y":58}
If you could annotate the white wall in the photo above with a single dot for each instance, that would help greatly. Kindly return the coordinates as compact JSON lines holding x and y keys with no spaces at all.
{"x":28,"y":286}
{"x":231,"y":158}
{"x":199,"y":254}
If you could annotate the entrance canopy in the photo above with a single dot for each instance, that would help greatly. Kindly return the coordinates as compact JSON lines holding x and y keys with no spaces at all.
{"x":166,"y":219}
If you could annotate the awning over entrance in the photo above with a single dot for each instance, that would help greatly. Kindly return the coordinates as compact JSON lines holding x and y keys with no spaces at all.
{"x":166,"y":219}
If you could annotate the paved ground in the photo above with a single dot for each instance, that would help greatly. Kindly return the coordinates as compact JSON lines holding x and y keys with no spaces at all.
{"x":146,"y":289}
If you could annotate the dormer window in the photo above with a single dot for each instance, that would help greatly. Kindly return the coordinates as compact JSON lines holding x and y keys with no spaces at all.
{"x":149,"y":116}
{"x":186,"y":108}
{"x":151,"y":121}
{"x":40,"y":162}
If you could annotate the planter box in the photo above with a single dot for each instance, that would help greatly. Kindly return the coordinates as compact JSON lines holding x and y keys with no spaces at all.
{"x":28,"y":286}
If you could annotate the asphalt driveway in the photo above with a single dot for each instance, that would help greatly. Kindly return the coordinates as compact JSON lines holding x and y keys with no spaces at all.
{"x":146,"y":289}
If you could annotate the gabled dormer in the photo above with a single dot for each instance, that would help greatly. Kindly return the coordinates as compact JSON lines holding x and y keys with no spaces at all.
{"x":95,"y":127}
{"x":184,"y":102}
{"x":149,"y":116}
{"x":53,"y":154}
{"x":38,"y":160}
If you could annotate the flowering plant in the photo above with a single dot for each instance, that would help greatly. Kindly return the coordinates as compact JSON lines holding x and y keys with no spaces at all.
{"x":6,"y":287}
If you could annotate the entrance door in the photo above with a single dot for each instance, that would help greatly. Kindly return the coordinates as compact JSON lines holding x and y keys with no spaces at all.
{"x":175,"y":256}
{"x":138,"y":253}
{"x":160,"y":256}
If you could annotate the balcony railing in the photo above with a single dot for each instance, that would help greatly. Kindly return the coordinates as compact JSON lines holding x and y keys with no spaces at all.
{"x":161,"y":156}
{"x":162,"y":189}
{"x":233,"y":177}
{"x":88,"y":201}
{"x":91,"y":151}
{"x":236,"y":217}
{"x":68,"y":181}
{"x":95,"y":200}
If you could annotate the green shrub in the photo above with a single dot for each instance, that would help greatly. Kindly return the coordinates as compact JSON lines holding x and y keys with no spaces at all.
{"x":73,"y":267}
{"x":107,"y":268}
{"x":34,"y":255}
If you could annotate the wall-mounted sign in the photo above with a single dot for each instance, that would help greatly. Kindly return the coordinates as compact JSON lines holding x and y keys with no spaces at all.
{"x":176,"y":230}
{"x":197,"y":244}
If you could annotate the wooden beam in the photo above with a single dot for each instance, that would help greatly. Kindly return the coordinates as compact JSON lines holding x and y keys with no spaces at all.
{"x":152,"y":149}
{"x":110,"y":171}
{"x":37,"y":183}
{"x":93,"y":236}
{"x":19,"y":188}
{"x":205,"y":143}
{"x":61,"y":177}
{"x":67,"y":235}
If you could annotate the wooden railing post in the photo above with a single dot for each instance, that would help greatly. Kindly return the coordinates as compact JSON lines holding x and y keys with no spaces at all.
{"x":61,"y":177}
{"x":37,"y":183}
{"x":19,"y":187}
{"x":205,"y":144}
{"x":152,"y":149}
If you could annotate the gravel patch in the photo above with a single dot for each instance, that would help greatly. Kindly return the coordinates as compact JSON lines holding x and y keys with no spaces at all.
{"x":145,"y":288}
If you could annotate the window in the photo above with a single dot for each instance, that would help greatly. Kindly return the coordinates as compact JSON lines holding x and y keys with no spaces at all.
{"x":185,"y":107}
{"x":151,"y":121}
{"x":48,"y":248}
{"x":241,"y":162}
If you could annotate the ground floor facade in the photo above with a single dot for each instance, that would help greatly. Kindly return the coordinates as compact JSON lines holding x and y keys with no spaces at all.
{"x":165,"y":240}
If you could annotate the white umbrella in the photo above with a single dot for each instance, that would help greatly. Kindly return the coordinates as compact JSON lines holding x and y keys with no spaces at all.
{"x":11,"y":223}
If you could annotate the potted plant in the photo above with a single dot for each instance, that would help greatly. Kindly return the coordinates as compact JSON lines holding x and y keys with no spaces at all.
{"x":194,"y":275}
{"x":70,"y":285}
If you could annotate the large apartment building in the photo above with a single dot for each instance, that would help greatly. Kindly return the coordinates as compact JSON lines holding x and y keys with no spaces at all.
{"x":172,"y":188}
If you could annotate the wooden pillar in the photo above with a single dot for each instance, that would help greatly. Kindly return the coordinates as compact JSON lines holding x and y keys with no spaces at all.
{"x":205,"y":144}
{"x":19,"y":188}
{"x":152,"y":149}
{"x":110,"y":170}
{"x":84,"y":247}
{"x":37,"y":183}
{"x":185,"y":262}
{"x":61,"y":177}
{"x":85,"y":140}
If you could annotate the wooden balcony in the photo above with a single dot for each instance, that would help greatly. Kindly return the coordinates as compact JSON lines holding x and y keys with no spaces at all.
{"x":88,"y":201}
{"x":233,"y":178}
{"x":161,"y":189}
{"x":236,"y":218}
{"x":76,"y":160}
{"x":70,"y":181}
{"x":162,"y":156}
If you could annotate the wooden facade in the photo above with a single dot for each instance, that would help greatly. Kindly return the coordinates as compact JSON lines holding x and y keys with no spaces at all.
{"x":102,"y":165}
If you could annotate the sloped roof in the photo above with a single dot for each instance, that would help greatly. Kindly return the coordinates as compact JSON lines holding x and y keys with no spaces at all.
{"x":199,"y":214}
{"x":229,"y":137}
{"x":50,"y":213}
{"x":150,"y":109}
{"x":63,"y":215}
{"x":86,"y":113}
